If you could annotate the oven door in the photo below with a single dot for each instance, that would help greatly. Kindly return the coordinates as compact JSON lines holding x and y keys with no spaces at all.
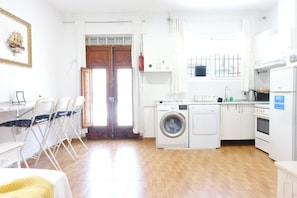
{"x":262,"y":127}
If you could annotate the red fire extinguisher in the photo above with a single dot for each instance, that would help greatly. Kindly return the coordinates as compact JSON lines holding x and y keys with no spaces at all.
{"x":141,"y":62}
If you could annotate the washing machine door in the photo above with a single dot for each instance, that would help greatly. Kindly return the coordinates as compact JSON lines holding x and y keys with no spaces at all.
{"x":173,"y":124}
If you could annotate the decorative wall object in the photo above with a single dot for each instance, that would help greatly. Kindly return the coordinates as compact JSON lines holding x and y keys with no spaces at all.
{"x":15,"y":40}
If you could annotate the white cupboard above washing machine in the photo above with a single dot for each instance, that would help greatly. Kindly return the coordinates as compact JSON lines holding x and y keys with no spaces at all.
{"x":157,"y":54}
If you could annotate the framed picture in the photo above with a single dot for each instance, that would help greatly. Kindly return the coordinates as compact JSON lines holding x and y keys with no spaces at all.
{"x":15,"y":40}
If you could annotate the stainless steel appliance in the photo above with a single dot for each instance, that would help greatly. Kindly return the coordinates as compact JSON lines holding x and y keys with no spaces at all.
{"x":262,"y":127}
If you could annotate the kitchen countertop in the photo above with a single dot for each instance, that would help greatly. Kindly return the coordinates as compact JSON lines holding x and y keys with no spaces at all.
{"x":213,"y":102}
{"x":288,"y":166}
{"x":246,"y":102}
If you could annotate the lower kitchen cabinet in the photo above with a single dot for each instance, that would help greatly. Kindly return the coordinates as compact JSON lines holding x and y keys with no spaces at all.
{"x":237,"y":122}
{"x":286,"y":179}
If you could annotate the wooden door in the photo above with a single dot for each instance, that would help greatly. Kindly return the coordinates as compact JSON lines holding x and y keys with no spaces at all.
{"x":86,"y":90}
{"x":111,"y":92}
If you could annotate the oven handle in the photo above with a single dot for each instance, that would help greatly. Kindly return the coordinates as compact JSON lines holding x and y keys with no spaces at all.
{"x":261,"y":116}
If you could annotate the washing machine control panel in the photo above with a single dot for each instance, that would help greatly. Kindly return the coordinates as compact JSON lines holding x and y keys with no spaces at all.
{"x":183,"y":107}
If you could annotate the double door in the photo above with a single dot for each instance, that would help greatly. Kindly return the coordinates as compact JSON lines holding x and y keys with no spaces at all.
{"x":109,"y":93}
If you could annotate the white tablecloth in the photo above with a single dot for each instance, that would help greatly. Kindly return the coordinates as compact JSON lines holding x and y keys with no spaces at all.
{"x":57,"y":178}
{"x":8,"y":106}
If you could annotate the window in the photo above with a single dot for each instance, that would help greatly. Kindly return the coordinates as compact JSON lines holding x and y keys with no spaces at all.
{"x":222,"y":57}
{"x":217,"y":65}
{"x":108,"y":40}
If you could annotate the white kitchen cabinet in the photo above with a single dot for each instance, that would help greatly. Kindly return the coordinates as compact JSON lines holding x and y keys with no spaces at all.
{"x":237,"y":122}
{"x":230,"y":122}
{"x":157,"y":54}
{"x":247,"y":121}
{"x":268,"y":56}
{"x":286,"y":179}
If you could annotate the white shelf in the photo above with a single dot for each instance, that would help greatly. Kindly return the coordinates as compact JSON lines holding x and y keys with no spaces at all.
{"x":157,"y":71}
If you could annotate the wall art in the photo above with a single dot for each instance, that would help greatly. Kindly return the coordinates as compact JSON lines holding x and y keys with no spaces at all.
{"x":15,"y":40}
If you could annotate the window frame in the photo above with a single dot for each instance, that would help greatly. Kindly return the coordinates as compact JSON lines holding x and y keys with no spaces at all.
{"x":225,"y":44}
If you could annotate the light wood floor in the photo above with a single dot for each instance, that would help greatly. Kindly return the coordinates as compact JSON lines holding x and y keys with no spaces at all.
{"x":135,"y":168}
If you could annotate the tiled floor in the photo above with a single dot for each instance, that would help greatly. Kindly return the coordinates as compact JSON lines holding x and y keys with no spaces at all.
{"x":135,"y":168}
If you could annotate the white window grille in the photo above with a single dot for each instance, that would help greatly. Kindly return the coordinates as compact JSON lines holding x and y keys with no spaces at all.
{"x":217,"y":65}
{"x":220,"y":54}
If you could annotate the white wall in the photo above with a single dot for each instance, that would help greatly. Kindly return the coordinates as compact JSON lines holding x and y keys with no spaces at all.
{"x":156,"y":86}
{"x":55,"y":70}
{"x":276,"y":39}
{"x":44,"y":77}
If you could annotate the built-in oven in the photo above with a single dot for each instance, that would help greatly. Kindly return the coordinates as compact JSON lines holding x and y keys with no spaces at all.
{"x":262,"y":127}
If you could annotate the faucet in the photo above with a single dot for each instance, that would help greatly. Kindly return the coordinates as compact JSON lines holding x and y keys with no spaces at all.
{"x":226,"y":97}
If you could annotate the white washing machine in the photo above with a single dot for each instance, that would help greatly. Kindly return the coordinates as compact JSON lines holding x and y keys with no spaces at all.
{"x":204,"y":126}
{"x":172,"y":126}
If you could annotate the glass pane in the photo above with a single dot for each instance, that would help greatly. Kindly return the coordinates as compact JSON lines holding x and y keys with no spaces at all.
{"x":119,"y":40}
{"x":93,"y":41}
{"x":124,"y":114}
{"x":102,"y":41}
{"x":99,"y":97}
{"x":128,"y":40}
{"x":110,"y":40}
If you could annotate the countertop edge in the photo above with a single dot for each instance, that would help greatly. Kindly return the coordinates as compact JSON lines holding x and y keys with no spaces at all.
{"x":212,"y":102}
{"x":288,"y":166}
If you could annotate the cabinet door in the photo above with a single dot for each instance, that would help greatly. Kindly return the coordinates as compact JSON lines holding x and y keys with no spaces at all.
{"x":247,"y":122}
{"x":157,"y":53}
{"x":230,"y":122}
{"x":150,"y":53}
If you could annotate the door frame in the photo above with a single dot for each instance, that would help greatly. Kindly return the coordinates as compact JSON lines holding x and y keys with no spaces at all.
{"x":97,"y":132}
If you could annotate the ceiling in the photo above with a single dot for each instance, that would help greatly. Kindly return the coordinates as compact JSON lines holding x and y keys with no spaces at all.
{"x":84,"y":7}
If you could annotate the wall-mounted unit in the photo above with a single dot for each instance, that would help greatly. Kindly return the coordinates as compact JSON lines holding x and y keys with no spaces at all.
{"x":273,"y":63}
{"x":157,"y":54}
{"x":269,"y":51}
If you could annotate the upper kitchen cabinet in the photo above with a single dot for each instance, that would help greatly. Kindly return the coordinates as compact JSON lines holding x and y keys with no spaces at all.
{"x":287,"y":23}
{"x":273,"y":45}
{"x":157,"y":54}
{"x":269,"y":53}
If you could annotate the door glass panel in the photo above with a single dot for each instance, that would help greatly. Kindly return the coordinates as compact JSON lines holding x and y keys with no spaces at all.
{"x":124,"y":113}
{"x":99,"y":97}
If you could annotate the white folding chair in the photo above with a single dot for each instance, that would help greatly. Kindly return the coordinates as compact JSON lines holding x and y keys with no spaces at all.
{"x":58,"y":126}
{"x":74,"y":116}
{"x":41,"y":116}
